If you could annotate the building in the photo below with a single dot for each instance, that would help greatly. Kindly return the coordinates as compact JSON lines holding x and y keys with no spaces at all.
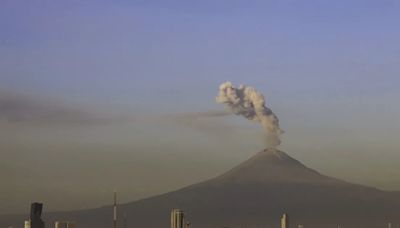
{"x":35,"y":218}
{"x":285,"y":221}
{"x":64,"y":224}
{"x":177,"y":219}
{"x":27,"y":224}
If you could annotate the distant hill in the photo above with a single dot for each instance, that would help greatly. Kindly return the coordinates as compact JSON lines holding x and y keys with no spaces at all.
{"x":253,"y":194}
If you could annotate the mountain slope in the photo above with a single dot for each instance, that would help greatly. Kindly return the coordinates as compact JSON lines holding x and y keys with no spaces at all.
{"x":255,"y":194}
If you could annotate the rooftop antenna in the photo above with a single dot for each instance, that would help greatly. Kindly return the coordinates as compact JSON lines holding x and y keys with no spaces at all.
{"x":115,"y":210}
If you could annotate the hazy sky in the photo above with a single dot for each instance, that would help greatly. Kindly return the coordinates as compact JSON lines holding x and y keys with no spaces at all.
{"x":104,"y":95}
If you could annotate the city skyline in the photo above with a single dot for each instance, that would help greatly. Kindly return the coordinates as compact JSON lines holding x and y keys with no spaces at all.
{"x":178,"y":219}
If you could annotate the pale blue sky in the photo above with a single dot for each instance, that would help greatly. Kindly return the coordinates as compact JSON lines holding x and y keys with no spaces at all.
{"x":329,"y":70}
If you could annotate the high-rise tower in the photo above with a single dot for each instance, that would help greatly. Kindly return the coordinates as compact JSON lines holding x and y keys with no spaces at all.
{"x":177,"y":219}
{"x":285,"y":221}
{"x":27,"y":224}
{"x":35,"y":220}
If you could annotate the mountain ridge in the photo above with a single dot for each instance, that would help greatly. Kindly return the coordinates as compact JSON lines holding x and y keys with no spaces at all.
{"x":254,"y":194}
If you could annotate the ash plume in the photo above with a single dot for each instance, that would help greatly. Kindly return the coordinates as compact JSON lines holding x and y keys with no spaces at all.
{"x":249,"y":103}
{"x":205,"y":122}
{"x":21,"y":108}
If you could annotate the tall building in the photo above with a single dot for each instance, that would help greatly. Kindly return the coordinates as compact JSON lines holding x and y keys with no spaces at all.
{"x":177,"y":219}
{"x":35,"y":220}
{"x":27,"y":224}
{"x":285,"y":221}
{"x":64,"y":224}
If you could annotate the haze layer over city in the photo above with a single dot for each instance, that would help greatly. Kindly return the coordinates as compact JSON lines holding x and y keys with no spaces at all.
{"x":98,"y":96}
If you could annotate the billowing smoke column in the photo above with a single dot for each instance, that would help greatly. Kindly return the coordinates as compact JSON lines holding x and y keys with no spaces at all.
{"x":248,"y":102}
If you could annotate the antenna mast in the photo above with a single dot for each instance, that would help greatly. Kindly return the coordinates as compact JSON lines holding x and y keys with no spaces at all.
{"x":115,"y":210}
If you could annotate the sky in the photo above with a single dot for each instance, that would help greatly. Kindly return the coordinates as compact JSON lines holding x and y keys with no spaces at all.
{"x":97,"y":96}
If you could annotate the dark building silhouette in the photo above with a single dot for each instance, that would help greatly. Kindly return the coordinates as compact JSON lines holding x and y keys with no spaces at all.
{"x":35,"y":216}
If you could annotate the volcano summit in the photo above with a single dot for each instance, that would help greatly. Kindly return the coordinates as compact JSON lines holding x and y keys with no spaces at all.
{"x":255,"y":194}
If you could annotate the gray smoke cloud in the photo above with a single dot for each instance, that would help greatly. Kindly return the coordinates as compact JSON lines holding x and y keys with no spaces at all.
{"x":205,"y":122}
{"x":248,"y":102}
{"x":21,"y":109}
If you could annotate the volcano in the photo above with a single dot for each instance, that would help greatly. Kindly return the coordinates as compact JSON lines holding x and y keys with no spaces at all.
{"x":254,"y":194}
